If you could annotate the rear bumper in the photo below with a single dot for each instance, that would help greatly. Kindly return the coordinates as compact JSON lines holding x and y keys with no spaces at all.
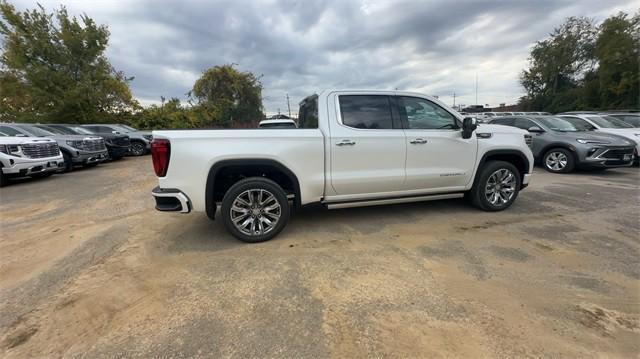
{"x":27,"y":167}
{"x":171,"y":200}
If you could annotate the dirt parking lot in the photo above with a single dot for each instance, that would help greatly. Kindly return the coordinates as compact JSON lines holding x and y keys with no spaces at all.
{"x":89,"y":269}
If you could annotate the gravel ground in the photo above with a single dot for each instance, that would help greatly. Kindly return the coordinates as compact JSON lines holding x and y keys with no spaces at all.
{"x":89,"y":269}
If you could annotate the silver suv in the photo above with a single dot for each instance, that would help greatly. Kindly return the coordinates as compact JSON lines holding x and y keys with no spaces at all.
{"x":76,"y":149}
{"x":561,"y":145}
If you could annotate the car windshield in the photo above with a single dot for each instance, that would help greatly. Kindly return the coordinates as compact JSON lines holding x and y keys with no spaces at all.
{"x":609,"y":122}
{"x":36,"y":131}
{"x":562,"y":124}
{"x":82,"y":130}
{"x":59,"y":130}
{"x":633,"y":120}
{"x":579,"y":123}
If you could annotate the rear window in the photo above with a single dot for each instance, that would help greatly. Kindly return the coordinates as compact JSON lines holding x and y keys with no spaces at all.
{"x":371,"y":112}
{"x":308,"y":112}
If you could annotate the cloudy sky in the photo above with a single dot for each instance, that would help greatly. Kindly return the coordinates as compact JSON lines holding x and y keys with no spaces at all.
{"x":302,"y":46}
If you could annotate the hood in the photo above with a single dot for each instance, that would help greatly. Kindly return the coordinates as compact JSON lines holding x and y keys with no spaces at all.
{"x":632,"y":134}
{"x":6,"y":140}
{"x":597,"y":136}
{"x":488,"y":128}
{"x":74,"y":137}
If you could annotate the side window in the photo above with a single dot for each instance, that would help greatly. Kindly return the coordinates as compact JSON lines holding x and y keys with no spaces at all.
{"x":372,"y":112}
{"x":100,"y":129}
{"x":426,"y":115}
{"x":308,"y":112}
{"x":523,"y":123}
{"x":10,"y":131}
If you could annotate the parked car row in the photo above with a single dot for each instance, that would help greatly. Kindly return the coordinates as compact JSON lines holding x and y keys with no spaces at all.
{"x":40,"y":150}
{"x":564,"y":142}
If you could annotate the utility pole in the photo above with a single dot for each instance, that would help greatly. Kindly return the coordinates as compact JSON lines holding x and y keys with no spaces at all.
{"x":476,"y":88}
{"x":288,"y":106}
{"x":454,"y":99}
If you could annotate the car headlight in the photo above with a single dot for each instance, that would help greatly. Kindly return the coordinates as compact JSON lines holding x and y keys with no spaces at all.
{"x":13,"y":150}
{"x":75,"y":143}
{"x":593,"y":142}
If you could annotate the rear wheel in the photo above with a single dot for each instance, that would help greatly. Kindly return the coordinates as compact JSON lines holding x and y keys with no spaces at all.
{"x":497,"y":186}
{"x":255,"y":209}
{"x":558,"y":160}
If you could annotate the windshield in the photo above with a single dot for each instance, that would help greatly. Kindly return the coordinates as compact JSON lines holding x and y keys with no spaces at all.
{"x":609,"y":122}
{"x":82,"y":130}
{"x":36,"y":131}
{"x":59,"y":130}
{"x":563,"y":124}
{"x":579,"y":123}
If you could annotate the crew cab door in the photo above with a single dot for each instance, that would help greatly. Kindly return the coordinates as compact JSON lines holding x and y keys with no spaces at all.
{"x":438,"y":158}
{"x":368,"y":146}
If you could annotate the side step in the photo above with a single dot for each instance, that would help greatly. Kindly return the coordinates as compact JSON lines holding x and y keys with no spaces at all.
{"x":379,"y":202}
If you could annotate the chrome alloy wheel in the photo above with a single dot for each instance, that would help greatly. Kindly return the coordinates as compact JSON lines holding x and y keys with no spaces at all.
{"x":501,"y":186}
{"x":556,"y":161}
{"x":255,"y":212}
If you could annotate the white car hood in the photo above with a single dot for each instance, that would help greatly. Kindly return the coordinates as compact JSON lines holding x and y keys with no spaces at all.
{"x":5,"y":140}
{"x":630,"y":133}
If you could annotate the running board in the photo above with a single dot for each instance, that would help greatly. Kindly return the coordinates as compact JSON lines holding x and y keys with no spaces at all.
{"x":379,"y":202}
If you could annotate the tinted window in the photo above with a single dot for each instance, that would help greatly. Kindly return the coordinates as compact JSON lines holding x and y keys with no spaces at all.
{"x":366,"y":112}
{"x":424,"y":114}
{"x":9,"y":131}
{"x":523,"y":123}
{"x":100,"y":129}
{"x":308,"y":112}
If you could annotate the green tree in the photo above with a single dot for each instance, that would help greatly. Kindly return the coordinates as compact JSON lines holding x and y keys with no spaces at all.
{"x":53,"y":68}
{"x":617,"y":50}
{"x":228,"y":97}
{"x":558,"y":64}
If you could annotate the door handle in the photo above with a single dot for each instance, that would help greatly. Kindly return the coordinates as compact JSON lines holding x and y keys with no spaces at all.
{"x":418,"y":141}
{"x":345,"y":143}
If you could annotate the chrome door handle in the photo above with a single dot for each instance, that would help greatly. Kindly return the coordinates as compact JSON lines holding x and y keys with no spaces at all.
{"x":345,"y":143}
{"x":418,"y":141}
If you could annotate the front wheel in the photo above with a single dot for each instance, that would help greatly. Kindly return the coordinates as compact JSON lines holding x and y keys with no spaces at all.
{"x":558,"y":160}
{"x":255,"y":209}
{"x":497,"y":186}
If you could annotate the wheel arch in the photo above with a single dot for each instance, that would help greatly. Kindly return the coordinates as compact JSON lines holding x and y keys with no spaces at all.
{"x":515,"y":157}
{"x":267,"y":168}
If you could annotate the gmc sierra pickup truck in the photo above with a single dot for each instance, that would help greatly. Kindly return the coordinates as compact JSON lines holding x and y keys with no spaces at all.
{"x":351,"y":148}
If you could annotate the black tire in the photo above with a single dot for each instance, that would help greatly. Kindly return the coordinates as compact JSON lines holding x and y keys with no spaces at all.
{"x":4,"y":180}
{"x":478,"y":195}
{"x":255,"y":183}
{"x":68,"y":164}
{"x":138,"y":148}
{"x":42,"y":175}
{"x":563,"y":153}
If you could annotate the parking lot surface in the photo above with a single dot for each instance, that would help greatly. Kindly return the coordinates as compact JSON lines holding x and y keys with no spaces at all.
{"x":89,"y":269}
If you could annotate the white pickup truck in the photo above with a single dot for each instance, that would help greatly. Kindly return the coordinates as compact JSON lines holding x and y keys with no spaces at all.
{"x":351,"y":148}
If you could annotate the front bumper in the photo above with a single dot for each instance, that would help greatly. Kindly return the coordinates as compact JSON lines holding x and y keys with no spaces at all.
{"x":82,"y":157}
{"x":171,"y":200}
{"x":610,"y":157}
{"x":29,"y":166}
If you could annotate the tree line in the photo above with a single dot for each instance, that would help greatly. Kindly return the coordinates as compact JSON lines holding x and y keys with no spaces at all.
{"x":585,"y":66}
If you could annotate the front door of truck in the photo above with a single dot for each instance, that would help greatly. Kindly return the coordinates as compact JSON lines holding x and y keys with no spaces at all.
{"x":368,"y":146}
{"x":438,"y":158}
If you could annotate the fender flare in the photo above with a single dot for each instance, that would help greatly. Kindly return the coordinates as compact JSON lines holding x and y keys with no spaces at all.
{"x":210,"y":204}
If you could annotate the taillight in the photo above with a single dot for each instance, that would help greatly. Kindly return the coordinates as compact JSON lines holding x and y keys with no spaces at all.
{"x":160,"y":153}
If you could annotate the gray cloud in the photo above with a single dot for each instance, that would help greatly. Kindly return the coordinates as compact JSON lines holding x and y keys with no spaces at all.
{"x":300,"y":47}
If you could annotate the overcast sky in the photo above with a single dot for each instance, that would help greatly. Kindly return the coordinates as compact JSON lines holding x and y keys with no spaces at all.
{"x":302,"y":46}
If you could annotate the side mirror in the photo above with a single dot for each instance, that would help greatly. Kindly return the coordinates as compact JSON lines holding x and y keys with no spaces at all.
{"x":469,"y":124}
{"x":535,"y":129}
